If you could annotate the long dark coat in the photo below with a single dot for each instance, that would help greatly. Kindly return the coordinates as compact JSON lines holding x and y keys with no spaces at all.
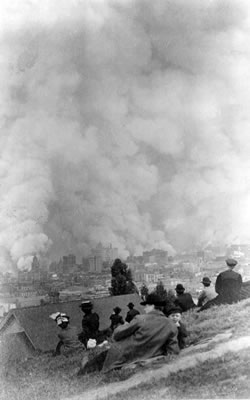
{"x":131,"y":314}
{"x":147,"y":335}
{"x":228,"y":285}
{"x":184,"y":301}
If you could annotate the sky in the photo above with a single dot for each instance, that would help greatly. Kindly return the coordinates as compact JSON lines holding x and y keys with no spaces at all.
{"x":125,"y":122}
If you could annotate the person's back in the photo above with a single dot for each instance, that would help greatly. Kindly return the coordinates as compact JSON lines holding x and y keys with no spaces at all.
{"x":228,"y":285}
{"x":185,"y":301}
{"x":116,"y":318}
{"x":131,"y":314}
{"x":69,"y":337}
{"x":90,"y":323}
{"x":208,"y":293}
{"x":148,"y":335}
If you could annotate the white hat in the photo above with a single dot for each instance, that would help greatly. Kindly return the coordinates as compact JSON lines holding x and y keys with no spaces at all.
{"x":59,"y":318}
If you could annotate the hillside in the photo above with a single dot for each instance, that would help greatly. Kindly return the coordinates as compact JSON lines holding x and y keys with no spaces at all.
{"x":215,"y":365}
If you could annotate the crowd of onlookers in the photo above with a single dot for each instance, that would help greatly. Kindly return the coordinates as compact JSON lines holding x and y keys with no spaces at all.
{"x":157,"y":332}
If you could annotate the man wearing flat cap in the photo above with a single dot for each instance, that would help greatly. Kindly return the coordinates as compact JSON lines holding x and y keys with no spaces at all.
{"x":228,"y":283}
{"x":131,"y":313}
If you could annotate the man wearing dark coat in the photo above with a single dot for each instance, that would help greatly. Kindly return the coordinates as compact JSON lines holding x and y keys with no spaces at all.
{"x":183,"y":300}
{"x":131,"y":313}
{"x":90,"y":323}
{"x":146,"y":336}
{"x":228,"y":283}
{"x":228,"y":286}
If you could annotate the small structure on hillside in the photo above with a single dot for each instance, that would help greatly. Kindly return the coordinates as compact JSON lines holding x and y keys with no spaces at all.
{"x":24,"y":331}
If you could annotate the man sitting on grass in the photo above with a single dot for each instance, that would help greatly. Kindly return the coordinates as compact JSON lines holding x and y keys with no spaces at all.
{"x":228,"y":286}
{"x":146,"y":336}
{"x":131,"y":313}
{"x":183,"y":300}
{"x":207,"y":294}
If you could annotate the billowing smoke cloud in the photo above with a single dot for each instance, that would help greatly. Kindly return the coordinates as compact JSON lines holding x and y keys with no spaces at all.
{"x":125,"y":122}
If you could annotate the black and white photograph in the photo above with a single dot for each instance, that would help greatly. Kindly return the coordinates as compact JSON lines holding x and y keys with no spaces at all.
{"x":124,"y":199}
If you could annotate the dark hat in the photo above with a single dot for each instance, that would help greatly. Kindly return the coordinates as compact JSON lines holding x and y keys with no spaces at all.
{"x":153,"y":299}
{"x":174,"y":310}
{"x":130,"y":305}
{"x":206,"y":280}
{"x":86,"y":305}
{"x":179,"y":288}
{"x":117,"y":310}
{"x":231,"y":262}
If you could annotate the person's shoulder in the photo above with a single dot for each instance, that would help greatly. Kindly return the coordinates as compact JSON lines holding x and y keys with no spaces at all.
{"x":171,"y":325}
{"x":140,"y":317}
{"x":230,"y":273}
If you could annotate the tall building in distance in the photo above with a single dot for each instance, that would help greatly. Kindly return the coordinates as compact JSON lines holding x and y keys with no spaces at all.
{"x":95,"y":264}
{"x":110,"y":253}
{"x":101,"y":254}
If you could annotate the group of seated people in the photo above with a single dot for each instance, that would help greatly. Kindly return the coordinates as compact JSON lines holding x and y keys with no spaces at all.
{"x":226,"y":290}
{"x":158,"y":331}
{"x":116,"y":318}
{"x":145,"y":335}
{"x":71,"y":340}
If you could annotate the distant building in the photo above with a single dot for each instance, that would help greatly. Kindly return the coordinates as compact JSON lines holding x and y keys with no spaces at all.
{"x":69,"y":262}
{"x":110,"y":254}
{"x":35,"y":272}
{"x":101,"y":254}
{"x":95,"y":264}
{"x":156,"y":256}
{"x":35,"y":266}
{"x":138,"y":275}
{"x":216,"y":251}
{"x":239,"y":251}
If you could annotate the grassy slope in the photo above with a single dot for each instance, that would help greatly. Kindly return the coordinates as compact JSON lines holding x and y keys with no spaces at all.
{"x":45,"y":377}
{"x":227,"y":377}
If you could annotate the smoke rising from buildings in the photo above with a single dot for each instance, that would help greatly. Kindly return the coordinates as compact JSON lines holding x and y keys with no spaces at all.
{"x":125,"y":122}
